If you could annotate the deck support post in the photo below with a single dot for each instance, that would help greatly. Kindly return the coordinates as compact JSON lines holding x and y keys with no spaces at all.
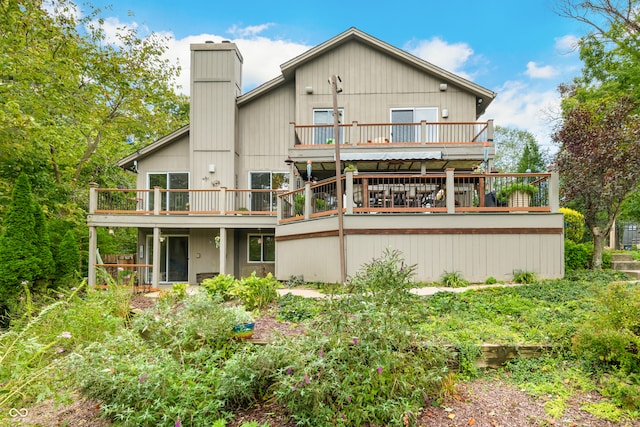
{"x":93,"y":252}
{"x":223,"y":250}
{"x":155,"y":272}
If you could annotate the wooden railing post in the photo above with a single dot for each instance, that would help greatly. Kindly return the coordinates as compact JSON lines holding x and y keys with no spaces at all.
{"x":157,"y":200}
{"x":307,"y":200}
{"x":278,"y":208}
{"x":423,"y":132}
{"x":93,"y":198}
{"x":349,"y":192}
{"x":451,"y":191}
{"x":354,"y":137}
{"x":222,"y":199}
{"x":292,"y":133}
{"x":490,"y":130}
{"x":554,"y":191}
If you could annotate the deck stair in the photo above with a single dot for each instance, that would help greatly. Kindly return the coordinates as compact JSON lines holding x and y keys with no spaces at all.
{"x":624,"y":262}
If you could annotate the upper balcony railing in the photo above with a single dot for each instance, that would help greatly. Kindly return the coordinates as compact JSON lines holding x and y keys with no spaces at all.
{"x":446,"y":192}
{"x":182,"y":202}
{"x":395,"y":133}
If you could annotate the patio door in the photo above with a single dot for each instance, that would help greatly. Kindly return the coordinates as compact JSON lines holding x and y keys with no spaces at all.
{"x":413,"y":133}
{"x":174,"y":258}
{"x":266,"y":201}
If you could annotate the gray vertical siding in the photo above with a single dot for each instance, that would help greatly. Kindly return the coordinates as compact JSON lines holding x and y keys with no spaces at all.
{"x":475,"y":255}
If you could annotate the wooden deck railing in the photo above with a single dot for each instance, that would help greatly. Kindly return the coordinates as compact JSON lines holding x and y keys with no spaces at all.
{"x":428,"y":193}
{"x":363,"y":193}
{"x":182,"y":202}
{"x":395,"y":133}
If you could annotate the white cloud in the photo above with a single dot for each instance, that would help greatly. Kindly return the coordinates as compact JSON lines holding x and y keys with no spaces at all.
{"x":451,"y":57}
{"x":112,"y":27}
{"x":536,"y":72}
{"x":70,"y":11}
{"x":567,"y":44}
{"x":262,"y":57}
{"x":523,"y":106}
{"x":249,"y":31}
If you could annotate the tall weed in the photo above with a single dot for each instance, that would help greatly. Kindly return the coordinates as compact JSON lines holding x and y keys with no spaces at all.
{"x":31,"y":350}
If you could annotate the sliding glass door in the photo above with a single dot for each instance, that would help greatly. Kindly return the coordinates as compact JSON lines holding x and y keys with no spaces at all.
{"x":174,"y":258}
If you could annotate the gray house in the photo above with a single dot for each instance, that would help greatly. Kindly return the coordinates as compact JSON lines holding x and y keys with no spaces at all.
{"x":251,"y":184}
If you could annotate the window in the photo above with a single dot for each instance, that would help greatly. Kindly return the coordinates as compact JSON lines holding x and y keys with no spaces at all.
{"x":324,"y":134}
{"x":262,"y":248}
{"x":411,"y":133}
{"x":178,"y":201}
{"x":266,"y":200}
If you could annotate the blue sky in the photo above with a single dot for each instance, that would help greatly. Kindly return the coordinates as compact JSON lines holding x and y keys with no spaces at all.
{"x":520,"y":49}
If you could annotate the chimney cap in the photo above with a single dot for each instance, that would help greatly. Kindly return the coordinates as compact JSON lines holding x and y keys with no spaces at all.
{"x":209,"y":41}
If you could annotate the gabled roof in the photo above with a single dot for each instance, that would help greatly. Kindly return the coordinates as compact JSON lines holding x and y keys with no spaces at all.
{"x":289,"y":67}
{"x":129,"y":162}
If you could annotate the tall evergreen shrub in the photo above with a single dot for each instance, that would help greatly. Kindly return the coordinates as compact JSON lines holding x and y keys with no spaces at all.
{"x":43,"y":246}
{"x":67,"y":259}
{"x":19,"y":260}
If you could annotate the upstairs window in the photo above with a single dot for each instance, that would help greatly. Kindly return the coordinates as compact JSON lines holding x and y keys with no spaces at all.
{"x":171,"y":201}
{"x":324,"y":134}
{"x":412,"y":133}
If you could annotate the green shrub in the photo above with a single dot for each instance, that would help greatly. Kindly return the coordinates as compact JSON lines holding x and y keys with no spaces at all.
{"x":171,"y":364}
{"x":256,"y":292}
{"x":623,"y":388}
{"x":295,"y":308}
{"x":491,"y":281}
{"x":453,"y":280}
{"x":573,"y":225}
{"x":219,"y":285}
{"x":611,"y":336}
{"x":247,"y":376}
{"x":576,"y":255}
{"x":362,"y":363}
{"x":198,"y":321}
{"x":67,"y":260}
{"x":142,"y":386}
{"x":524,"y":277}
{"x":19,"y":259}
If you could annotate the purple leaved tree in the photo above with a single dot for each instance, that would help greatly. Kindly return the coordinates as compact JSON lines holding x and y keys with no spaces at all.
{"x":599,"y":162}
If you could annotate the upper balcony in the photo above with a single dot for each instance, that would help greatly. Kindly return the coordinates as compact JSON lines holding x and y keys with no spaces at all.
{"x":407,"y":147}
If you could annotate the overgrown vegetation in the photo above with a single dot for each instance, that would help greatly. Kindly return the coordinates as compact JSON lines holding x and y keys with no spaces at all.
{"x":372,"y":353}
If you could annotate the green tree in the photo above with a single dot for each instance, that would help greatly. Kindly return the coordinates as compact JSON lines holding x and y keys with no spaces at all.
{"x":43,"y":246}
{"x":73,"y":98}
{"x":598,"y":157}
{"x":611,"y":73}
{"x":512,"y":145}
{"x":532,"y":159}
{"x":19,"y":260}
